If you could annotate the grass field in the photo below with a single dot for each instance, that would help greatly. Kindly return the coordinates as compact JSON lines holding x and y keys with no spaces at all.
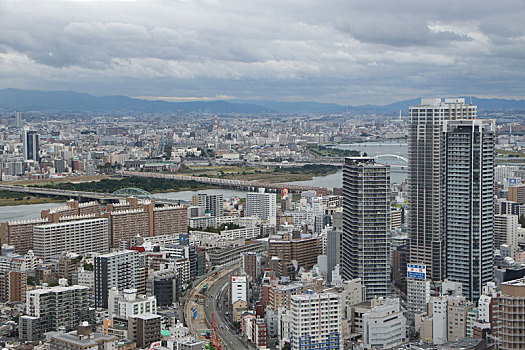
{"x":8,"y":198}
{"x":269,"y":174}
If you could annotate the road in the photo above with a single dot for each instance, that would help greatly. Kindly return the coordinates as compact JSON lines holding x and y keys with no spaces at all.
{"x":230,"y":339}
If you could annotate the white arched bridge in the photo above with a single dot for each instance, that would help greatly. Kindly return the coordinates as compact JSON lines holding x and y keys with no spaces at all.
{"x":397,"y":156}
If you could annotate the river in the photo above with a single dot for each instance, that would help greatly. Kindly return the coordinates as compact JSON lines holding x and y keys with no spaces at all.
{"x":22,"y":212}
{"x":371,"y":149}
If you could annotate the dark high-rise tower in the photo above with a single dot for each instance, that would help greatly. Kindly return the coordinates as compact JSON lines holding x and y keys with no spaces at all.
{"x":468,"y":201}
{"x":31,"y":148}
{"x":366,"y":224}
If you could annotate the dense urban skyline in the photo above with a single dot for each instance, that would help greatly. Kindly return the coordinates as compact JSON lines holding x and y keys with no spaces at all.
{"x":262,"y":175}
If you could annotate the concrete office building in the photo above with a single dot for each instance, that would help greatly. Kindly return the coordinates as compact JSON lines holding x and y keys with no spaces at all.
{"x":384,"y":326}
{"x":239,"y":288}
{"x":79,"y":236}
{"x":263,"y":206}
{"x":164,"y":285}
{"x":424,"y":178}
{"x":128,"y":303}
{"x":119,"y":269}
{"x":144,"y":329}
{"x":82,"y":339}
{"x":18,"y":119}
{"x":316,"y":321}
{"x":51,"y":309}
{"x":396,"y":218}
{"x":468,"y":203}
{"x":303,"y":250}
{"x":517,"y":194}
{"x":366,"y":225}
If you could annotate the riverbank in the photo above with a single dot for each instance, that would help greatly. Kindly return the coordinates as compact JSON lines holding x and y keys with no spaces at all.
{"x":109,"y":185}
{"x":268,"y":174}
{"x":27,"y":200}
{"x":62,"y":179}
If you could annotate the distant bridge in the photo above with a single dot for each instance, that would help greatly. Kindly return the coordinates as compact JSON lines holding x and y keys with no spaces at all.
{"x":82,"y":195}
{"x":237,"y":184}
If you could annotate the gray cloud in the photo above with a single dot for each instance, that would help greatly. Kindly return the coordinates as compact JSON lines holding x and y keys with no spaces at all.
{"x":338,"y":50}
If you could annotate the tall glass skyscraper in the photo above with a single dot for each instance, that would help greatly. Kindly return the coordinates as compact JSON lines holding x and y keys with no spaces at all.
{"x":31,"y":147}
{"x":468,"y":202}
{"x":425,"y":201}
{"x":366,"y":225}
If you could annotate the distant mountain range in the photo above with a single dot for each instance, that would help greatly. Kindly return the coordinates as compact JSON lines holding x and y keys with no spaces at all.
{"x":70,"y":101}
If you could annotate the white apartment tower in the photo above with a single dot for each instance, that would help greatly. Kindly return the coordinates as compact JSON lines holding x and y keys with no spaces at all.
{"x":425,"y":199}
{"x":263,"y":206}
{"x":315,"y":321}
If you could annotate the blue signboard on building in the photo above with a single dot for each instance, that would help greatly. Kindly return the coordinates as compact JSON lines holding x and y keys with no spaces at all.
{"x":418,"y":272}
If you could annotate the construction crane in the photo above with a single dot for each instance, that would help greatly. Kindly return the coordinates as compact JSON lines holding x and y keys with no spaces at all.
{"x":215,"y":340}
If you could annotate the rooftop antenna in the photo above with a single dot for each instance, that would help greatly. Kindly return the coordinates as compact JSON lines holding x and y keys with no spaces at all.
{"x":470,"y":97}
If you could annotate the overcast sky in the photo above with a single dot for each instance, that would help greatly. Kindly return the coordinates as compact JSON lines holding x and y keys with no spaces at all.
{"x":349,"y":52}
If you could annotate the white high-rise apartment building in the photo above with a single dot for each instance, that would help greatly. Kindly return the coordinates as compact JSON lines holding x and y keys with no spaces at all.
{"x":315,"y":321}
{"x":263,"y":206}
{"x":425,"y":199}
{"x":81,"y":237}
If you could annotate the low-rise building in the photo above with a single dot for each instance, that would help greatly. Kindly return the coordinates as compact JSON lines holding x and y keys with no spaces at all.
{"x":82,"y":339}
{"x":384,"y":326}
